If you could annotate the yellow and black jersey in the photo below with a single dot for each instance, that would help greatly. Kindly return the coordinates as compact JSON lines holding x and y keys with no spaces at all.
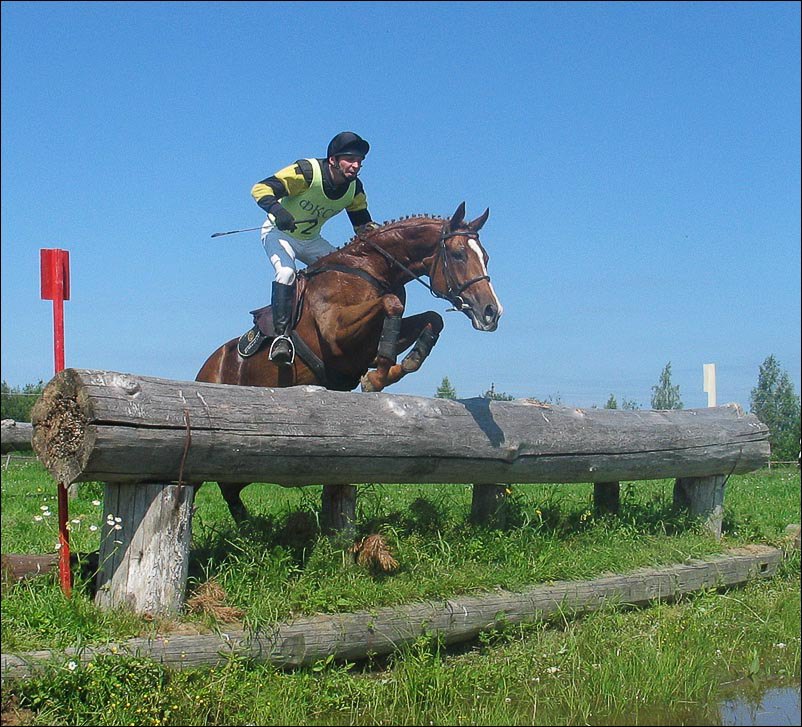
{"x":297,"y":178}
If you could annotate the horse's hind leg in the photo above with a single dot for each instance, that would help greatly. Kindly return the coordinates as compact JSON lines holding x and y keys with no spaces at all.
{"x":423,"y":330}
{"x":231,"y":494}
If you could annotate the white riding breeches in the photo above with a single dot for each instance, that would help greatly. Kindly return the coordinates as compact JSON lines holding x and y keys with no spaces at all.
{"x":283,"y":249}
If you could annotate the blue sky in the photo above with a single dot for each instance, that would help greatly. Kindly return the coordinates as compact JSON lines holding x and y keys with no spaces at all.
{"x":641,"y":162}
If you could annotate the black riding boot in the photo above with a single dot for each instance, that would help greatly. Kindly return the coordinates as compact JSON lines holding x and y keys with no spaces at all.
{"x":282,"y":352}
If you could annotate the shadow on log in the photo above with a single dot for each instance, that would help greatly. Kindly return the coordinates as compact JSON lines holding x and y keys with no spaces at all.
{"x":112,"y":427}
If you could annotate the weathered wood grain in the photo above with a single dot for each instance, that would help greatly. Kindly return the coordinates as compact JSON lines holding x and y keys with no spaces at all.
{"x":354,"y":636}
{"x":114,"y":427}
{"x":15,"y":436}
{"x":144,"y":548}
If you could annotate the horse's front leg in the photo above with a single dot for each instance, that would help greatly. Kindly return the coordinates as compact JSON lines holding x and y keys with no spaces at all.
{"x":423,"y":330}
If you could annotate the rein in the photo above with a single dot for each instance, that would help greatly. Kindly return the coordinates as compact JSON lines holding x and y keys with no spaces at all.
{"x":452,"y":294}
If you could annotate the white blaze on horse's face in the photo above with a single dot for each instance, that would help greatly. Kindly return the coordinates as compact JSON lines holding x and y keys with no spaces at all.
{"x":481,"y":257}
{"x":482,"y":304}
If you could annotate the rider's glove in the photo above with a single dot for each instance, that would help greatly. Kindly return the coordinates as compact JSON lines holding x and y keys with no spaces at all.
{"x":284,"y":220}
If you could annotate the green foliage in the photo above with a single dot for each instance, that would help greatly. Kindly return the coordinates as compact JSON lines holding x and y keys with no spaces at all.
{"x":664,"y":395}
{"x":491,"y":393}
{"x":626,"y":404}
{"x":16,"y":403}
{"x":110,"y":690}
{"x":776,"y":404}
{"x":445,"y":390}
{"x":578,"y":671}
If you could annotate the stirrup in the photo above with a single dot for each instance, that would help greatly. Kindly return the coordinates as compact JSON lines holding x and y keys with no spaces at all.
{"x":281,"y":362}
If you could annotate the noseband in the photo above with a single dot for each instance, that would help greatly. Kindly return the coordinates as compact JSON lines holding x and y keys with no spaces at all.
{"x":454,"y":291}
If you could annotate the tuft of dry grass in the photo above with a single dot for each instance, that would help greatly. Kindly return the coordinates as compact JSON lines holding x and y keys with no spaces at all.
{"x":373,"y":553}
{"x":209,"y":599}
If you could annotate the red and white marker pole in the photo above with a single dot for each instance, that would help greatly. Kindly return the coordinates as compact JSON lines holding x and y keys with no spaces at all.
{"x":55,"y":269}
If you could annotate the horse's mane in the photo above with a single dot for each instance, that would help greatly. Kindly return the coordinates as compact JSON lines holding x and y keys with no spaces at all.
{"x":385,"y":226}
{"x":391,"y":224}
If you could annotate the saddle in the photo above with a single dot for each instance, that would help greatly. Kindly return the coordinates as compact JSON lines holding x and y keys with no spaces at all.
{"x":263,"y":329}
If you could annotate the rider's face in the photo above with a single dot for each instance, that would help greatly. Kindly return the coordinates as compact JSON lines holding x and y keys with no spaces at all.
{"x":347,"y":166}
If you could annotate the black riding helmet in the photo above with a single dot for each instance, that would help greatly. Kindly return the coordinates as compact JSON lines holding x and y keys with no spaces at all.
{"x":347,"y":143}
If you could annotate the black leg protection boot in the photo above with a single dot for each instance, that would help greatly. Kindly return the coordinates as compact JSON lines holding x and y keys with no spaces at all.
{"x":282,"y":352}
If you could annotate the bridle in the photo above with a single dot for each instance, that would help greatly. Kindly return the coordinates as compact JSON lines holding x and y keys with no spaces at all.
{"x":454,"y":291}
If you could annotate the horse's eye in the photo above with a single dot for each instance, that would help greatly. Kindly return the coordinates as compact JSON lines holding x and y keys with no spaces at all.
{"x":459,"y":254}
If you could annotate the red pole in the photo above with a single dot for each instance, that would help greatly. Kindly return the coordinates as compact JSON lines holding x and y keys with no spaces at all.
{"x":55,"y":270}
{"x":58,"y":322}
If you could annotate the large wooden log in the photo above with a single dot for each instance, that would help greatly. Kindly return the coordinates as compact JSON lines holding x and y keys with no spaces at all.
{"x":352,"y":636}
{"x":15,"y":436}
{"x":115,"y":427}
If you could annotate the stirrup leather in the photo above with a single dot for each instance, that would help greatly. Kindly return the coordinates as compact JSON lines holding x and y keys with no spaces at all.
{"x":292,"y":348}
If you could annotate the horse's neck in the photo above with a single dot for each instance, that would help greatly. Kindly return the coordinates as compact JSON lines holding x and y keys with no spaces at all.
{"x":411,"y":243}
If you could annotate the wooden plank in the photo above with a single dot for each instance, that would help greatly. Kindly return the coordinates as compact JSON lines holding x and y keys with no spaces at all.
{"x":353,"y":636}
{"x":96,"y":425}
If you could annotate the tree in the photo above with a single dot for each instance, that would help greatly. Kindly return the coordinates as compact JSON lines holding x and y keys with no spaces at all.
{"x":664,"y":395}
{"x":776,"y":404}
{"x":16,"y":403}
{"x":491,"y":393}
{"x":627,"y":404}
{"x":445,"y":390}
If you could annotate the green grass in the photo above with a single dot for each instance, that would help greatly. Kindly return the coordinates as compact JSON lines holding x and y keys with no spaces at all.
{"x":627,"y":666}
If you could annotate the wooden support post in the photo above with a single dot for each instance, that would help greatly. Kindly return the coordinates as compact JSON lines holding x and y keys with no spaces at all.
{"x":606,"y":498}
{"x":144,"y":550}
{"x":702,"y":497}
{"x":338,"y":512}
{"x":487,"y":505}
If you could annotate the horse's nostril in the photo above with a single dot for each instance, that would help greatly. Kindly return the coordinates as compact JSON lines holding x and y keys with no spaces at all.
{"x":490,"y":312}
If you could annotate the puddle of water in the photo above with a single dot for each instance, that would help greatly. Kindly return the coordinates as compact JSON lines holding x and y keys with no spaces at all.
{"x":775,"y":707}
{"x":748,"y":706}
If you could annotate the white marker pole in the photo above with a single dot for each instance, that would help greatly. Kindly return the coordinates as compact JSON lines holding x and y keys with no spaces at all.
{"x":710,"y":383}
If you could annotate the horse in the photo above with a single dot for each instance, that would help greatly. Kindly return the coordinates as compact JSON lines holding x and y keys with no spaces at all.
{"x":348,"y":314}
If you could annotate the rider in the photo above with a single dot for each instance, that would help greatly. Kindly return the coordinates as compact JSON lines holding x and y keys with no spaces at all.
{"x":298,"y":200}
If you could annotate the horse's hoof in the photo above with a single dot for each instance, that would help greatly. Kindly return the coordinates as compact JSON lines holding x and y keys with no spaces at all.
{"x":411,"y":362}
{"x":365,"y":384}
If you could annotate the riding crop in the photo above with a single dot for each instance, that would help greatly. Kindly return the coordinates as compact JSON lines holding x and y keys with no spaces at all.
{"x":251,"y":229}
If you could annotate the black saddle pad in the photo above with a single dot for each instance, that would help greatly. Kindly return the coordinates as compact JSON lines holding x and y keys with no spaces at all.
{"x":249,"y":343}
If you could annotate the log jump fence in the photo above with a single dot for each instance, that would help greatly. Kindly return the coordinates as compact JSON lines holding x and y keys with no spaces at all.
{"x":16,"y":436}
{"x":150,"y":440}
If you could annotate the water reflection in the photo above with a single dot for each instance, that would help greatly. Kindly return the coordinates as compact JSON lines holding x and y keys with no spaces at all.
{"x":747,"y":704}
{"x":778,"y":706}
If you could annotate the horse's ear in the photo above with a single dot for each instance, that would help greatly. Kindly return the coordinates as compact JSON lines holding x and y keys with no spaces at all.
{"x":457,"y":217}
{"x":477,"y":224}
